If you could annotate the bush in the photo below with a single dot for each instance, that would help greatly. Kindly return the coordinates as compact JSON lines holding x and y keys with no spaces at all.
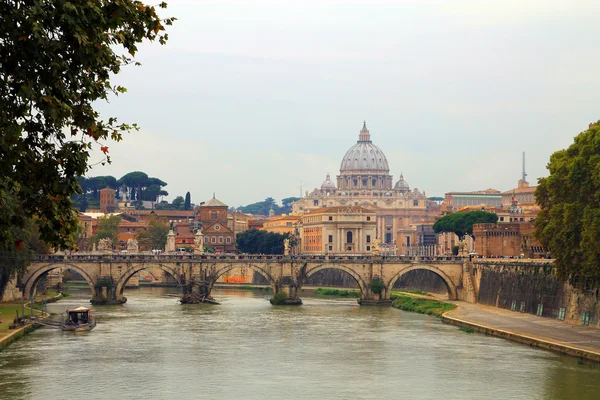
{"x":377,"y":285}
{"x":279,"y":298}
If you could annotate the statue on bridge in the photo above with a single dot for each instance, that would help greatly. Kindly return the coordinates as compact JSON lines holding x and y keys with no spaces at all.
{"x":105,"y":245}
{"x":375,"y":247}
{"x":199,"y":242}
{"x":132,"y":246}
{"x":286,"y":246}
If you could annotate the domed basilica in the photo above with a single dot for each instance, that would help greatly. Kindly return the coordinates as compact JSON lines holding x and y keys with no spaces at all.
{"x":365,"y":181}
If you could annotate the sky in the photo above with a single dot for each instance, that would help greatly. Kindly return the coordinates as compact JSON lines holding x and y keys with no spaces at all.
{"x":251,"y":99}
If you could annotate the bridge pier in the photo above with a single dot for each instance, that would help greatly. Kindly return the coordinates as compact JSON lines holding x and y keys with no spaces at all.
{"x":286,"y":293}
{"x":372,"y":299}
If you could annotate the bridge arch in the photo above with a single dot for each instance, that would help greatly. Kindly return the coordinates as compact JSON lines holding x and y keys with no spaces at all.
{"x":363,"y":286}
{"x":135,"y":268}
{"x":32,"y":280}
{"x":452,"y":290}
{"x":222,"y":269}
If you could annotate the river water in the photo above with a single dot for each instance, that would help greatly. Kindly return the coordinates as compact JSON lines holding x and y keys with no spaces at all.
{"x":154,"y":348}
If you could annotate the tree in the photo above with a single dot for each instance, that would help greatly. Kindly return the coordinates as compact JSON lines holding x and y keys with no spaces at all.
{"x":187,"y":204}
{"x":15,"y":254}
{"x":108,"y":227}
{"x":155,"y":236}
{"x":569,"y":221}
{"x":56,"y":61}
{"x":256,"y":241}
{"x":461,"y":223}
{"x":178,"y":203}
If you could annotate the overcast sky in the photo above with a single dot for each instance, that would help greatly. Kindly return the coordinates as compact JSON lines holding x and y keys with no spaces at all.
{"x":250,"y":98}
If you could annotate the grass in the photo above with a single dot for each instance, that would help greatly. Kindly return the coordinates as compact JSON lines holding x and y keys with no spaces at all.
{"x":422,"y":306}
{"x":467,"y":330}
{"x":8,"y":312}
{"x":337,"y":292}
{"x":412,"y":291}
{"x":77,"y":284}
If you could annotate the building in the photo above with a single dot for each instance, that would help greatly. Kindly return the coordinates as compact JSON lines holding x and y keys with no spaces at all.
{"x":454,"y":201}
{"x":108,"y":200}
{"x":214,"y":218}
{"x":365,"y":181}
{"x":281,"y":224}
{"x":337,"y":230}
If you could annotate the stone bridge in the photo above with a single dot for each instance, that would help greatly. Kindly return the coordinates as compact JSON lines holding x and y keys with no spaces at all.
{"x":107,"y":274}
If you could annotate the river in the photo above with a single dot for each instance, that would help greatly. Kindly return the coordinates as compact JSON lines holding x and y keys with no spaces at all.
{"x":154,"y":348}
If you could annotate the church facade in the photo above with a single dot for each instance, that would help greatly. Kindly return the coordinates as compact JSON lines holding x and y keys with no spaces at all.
{"x":365,"y":181}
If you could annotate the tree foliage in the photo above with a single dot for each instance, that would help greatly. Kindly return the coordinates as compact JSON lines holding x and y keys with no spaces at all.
{"x":256,"y":241}
{"x":569,"y":221}
{"x":56,"y":61}
{"x":15,"y":254}
{"x":461,"y":223}
{"x":263,"y":207}
{"x":155,"y":236}
{"x":108,"y":227}
{"x":187,"y":204}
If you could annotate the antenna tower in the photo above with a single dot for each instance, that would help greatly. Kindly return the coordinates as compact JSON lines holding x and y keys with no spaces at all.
{"x":301,"y":187}
{"x":524,"y":173}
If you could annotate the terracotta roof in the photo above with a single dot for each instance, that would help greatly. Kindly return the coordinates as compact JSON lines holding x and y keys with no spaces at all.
{"x":214,"y":203}
{"x":529,"y":189}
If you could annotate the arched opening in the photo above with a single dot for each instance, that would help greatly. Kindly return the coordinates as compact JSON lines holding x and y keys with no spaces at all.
{"x":424,"y":280}
{"x":259,"y":275}
{"x":133,"y":270}
{"x":333,"y":273}
{"x":38,"y":273}
{"x":349,"y":237}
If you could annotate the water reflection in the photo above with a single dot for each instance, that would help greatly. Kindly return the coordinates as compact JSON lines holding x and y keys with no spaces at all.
{"x":154,"y":348}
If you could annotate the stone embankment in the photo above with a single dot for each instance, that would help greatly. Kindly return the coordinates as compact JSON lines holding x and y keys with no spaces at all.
{"x":574,"y":340}
{"x":12,"y":335}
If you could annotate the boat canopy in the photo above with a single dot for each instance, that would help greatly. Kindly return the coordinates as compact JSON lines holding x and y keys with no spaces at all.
{"x":80,"y":309}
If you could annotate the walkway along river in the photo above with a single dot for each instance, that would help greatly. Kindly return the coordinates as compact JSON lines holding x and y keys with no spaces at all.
{"x":153,"y":348}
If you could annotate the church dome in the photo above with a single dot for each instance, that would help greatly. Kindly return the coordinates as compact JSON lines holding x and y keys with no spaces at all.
{"x":327,"y":183}
{"x":402,"y":184}
{"x":364,"y":156}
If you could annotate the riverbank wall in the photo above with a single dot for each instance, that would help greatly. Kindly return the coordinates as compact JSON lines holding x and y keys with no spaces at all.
{"x":17,"y":334}
{"x":522,"y":338}
{"x":532,"y":287}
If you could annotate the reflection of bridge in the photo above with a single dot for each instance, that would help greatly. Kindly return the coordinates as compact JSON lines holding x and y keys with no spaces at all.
{"x":107,"y":274}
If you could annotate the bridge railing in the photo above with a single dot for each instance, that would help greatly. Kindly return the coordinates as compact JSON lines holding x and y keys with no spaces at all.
{"x":242,"y":258}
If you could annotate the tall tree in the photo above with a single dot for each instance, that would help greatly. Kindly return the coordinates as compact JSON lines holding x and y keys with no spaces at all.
{"x":178,"y":203}
{"x":56,"y":61}
{"x":16,"y":252}
{"x":569,"y":221}
{"x":155,"y":236}
{"x":187,"y":204}
{"x":461,"y":223}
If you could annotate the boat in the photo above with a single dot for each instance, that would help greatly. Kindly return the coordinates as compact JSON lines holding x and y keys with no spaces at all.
{"x":79,"y":319}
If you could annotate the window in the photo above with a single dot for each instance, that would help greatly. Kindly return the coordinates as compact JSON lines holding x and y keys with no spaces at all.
{"x":585,"y":318}
{"x":330,"y":248}
{"x":368,"y":248}
{"x":220,"y":239}
{"x":217,"y":227}
{"x":416,"y":203}
{"x":540,"y":309}
{"x":513,"y":305}
{"x":561,"y":313}
{"x":213,"y":239}
{"x":368,"y":239}
{"x":316,"y":202}
{"x":349,"y":237}
{"x":522,"y":308}
{"x":330,"y":218}
{"x":501,"y":219}
{"x":288,"y":224}
{"x":368,"y":218}
{"x":228,"y":239}
{"x":213,"y":215}
{"x":206,"y":239}
{"x":330,"y":238}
